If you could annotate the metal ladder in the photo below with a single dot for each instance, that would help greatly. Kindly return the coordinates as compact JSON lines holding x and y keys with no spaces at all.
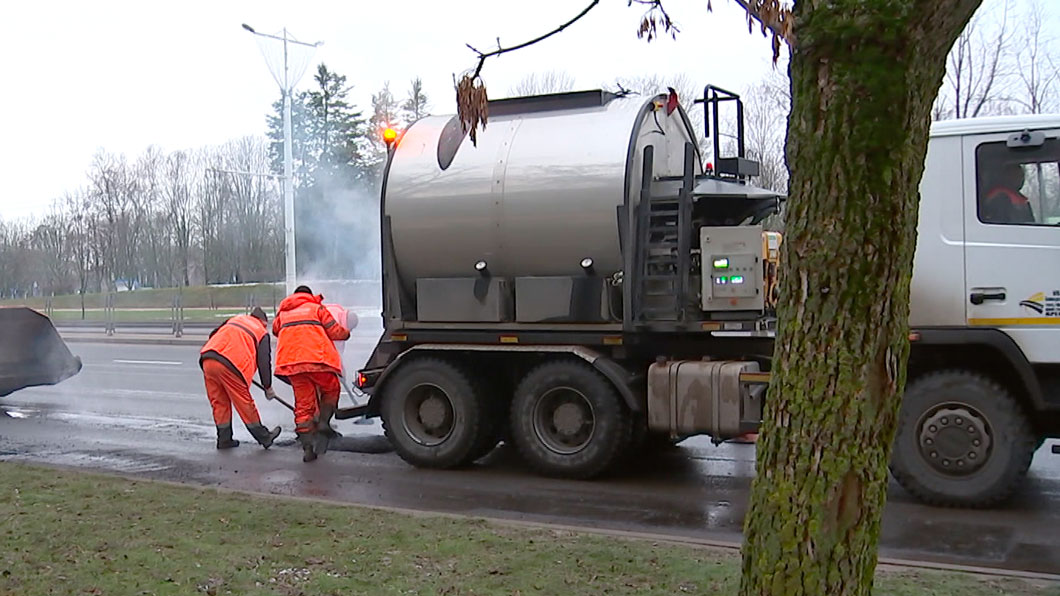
{"x":664,"y":229}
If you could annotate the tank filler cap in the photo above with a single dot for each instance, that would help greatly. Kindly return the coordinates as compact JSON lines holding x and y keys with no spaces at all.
{"x":587,"y":263}
{"x":482,"y":267}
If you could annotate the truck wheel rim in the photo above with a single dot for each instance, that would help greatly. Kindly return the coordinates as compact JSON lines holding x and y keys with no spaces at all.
{"x":428,"y":415}
{"x":564,"y":421}
{"x":955,"y":439}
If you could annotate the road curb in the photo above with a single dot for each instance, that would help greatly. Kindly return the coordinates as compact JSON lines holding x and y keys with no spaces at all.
{"x":704,"y":543}
{"x":142,"y":341}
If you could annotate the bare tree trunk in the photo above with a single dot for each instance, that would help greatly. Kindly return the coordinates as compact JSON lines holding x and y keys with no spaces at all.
{"x":864,"y":77}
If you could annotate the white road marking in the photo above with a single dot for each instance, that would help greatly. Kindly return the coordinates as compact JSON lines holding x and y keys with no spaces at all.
{"x":165,"y":362}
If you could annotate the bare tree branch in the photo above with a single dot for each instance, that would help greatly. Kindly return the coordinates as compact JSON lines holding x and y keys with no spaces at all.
{"x":650,"y":21}
{"x":501,"y":50}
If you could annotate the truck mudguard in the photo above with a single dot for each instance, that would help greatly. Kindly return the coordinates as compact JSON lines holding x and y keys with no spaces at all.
{"x":611,"y":370}
{"x":993,"y":338}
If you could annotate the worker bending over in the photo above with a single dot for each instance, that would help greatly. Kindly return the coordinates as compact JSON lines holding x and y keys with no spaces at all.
{"x":235,"y":349}
{"x":308,"y":360}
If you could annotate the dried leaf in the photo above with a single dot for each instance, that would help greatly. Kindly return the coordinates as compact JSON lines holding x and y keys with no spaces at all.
{"x":472,"y":105}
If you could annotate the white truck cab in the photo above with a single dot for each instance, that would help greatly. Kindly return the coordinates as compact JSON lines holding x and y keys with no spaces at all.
{"x":983,"y":389}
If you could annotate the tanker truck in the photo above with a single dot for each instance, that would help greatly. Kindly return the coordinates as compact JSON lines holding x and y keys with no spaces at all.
{"x":583,"y":284}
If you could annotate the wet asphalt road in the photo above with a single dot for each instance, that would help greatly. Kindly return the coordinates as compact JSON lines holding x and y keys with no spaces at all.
{"x":141,"y":410}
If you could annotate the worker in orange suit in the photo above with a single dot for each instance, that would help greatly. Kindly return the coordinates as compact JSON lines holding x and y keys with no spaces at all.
{"x":237,"y":348}
{"x":306,"y":357}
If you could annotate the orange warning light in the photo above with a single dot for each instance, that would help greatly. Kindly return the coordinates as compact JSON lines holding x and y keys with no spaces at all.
{"x":389,"y":135}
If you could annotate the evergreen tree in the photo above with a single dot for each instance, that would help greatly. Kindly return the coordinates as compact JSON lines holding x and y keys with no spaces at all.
{"x":385,"y":112}
{"x":416,"y":105}
{"x":336,"y":166}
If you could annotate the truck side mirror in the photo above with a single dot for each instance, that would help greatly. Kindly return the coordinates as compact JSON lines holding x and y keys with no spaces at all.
{"x":1026,"y":139}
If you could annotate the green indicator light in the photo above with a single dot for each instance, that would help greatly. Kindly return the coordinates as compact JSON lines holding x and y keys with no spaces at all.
{"x":737,"y":279}
{"x":721,"y":263}
{"x":721,"y":280}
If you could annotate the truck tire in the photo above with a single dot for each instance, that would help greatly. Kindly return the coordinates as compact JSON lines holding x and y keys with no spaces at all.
{"x":493,"y":421}
{"x":433,"y":414}
{"x":568,"y":421}
{"x":962,"y":441}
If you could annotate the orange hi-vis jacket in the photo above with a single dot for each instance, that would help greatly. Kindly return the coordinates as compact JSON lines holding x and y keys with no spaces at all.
{"x":241,"y":343}
{"x":305,"y":331}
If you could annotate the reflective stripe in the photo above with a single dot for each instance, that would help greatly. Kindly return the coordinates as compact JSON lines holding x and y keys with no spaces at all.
{"x":247,"y":330}
{"x":330,"y":325}
{"x":1014,"y":321}
{"x":296,"y":323}
{"x":236,"y":342}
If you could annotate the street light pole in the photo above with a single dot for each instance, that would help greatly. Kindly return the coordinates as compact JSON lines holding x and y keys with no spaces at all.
{"x":288,"y":158}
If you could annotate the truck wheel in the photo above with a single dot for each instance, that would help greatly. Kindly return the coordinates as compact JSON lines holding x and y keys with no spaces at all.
{"x":568,"y":421}
{"x":493,"y":421}
{"x":962,"y":441}
{"x":433,"y":415}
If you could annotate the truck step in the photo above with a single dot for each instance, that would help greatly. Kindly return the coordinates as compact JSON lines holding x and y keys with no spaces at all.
{"x":1056,"y":449}
{"x":354,"y":412}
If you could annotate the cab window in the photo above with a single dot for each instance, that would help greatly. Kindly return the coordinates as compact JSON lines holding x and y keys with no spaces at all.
{"x":1018,"y":186}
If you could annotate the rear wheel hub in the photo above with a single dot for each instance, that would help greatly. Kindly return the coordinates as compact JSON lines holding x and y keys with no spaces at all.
{"x":564,"y":421}
{"x":955,"y":439}
{"x":429,"y":415}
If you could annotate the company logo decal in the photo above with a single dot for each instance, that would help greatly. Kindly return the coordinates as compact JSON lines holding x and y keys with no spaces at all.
{"x":1042,"y":304}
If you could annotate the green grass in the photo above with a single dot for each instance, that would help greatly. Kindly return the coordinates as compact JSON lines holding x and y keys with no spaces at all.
{"x":148,"y":315}
{"x":192,"y":297}
{"x":66,"y":532}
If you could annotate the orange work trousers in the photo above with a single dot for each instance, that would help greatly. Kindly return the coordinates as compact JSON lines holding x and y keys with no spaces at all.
{"x":225,"y":388}
{"x":311,"y":390}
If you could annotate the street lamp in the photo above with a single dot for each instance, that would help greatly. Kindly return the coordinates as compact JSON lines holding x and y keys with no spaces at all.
{"x":288,"y":159}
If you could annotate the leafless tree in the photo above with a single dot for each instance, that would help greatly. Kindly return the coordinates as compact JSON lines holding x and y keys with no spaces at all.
{"x":239,"y":217}
{"x":79,"y":240}
{"x":978,"y":71}
{"x":177,"y":189}
{"x":541,"y":83}
{"x":49,"y":240}
{"x":150,"y":237}
{"x":1037,"y":63}
{"x":16,"y":259}
{"x":687,"y":92}
{"x":766,"y":107}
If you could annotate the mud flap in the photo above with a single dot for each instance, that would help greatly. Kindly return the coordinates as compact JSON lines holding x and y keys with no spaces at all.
{"x":31,"y":351}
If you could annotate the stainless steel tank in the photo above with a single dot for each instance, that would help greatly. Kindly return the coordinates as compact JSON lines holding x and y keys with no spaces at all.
{"x":539,"y":193}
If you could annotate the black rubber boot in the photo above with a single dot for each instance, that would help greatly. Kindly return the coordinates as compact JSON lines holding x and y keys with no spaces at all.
{"x":324,"y":426}
{"x":224,"y":437}
{"x":264,"y":436}
{"x":307,"y":440}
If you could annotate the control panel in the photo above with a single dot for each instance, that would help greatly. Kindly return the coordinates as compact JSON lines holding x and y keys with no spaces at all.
{"x":733,"y":273}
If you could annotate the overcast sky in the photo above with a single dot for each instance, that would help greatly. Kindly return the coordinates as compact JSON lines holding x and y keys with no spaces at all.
{"x":80,"y":76}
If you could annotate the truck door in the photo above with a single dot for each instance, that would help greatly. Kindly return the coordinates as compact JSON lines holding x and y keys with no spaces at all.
{"x":1012,"y":238}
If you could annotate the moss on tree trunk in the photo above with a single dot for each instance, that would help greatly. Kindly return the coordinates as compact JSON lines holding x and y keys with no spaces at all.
{"x":864,"y":74}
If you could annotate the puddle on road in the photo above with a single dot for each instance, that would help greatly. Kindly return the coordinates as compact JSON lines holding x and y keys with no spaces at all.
{"x":19,"y":413}
{"x":985,"y":542}
{"x":102,"y":461}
